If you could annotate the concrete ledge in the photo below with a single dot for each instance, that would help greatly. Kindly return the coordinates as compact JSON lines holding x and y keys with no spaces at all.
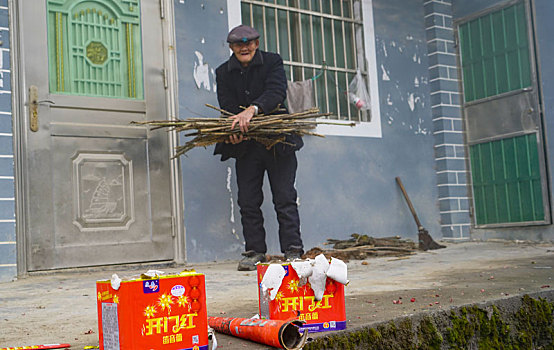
{"x":519,"y":322}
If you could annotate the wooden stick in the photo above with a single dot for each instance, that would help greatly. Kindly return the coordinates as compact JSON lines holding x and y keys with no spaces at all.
{"x":219,"y":109}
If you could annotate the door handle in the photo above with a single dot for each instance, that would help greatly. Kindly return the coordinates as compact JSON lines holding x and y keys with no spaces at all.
{"x":33,"y":107}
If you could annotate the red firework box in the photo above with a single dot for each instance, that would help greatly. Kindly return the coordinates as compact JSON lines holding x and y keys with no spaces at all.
{"x":295,"y":301}
{"x":163,"y":312}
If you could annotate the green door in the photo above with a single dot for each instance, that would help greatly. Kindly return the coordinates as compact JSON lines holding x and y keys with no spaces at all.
{"x":502,"y":118}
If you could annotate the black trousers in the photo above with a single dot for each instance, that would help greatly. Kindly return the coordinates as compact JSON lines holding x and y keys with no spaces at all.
{"x":281,"y":170}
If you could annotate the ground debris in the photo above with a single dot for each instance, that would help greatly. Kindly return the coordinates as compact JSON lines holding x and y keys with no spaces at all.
{"x":360,"y":247}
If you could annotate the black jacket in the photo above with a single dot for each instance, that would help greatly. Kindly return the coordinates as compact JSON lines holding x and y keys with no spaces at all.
{"x":264,"y":84}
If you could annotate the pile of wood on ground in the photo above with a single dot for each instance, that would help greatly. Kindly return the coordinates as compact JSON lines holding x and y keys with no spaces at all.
{"x":361,"y":247}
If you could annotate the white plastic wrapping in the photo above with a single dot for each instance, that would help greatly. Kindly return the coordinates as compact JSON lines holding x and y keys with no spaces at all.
{"x":315,"y":271}
{"x":338,"y":271}
{"x":272,"y":280}
{"x":303,"y":270}
{"x":115,"y":281}
{"x":153,"y":273}
{"x":357,"y":92}
{"x":319,"y":276}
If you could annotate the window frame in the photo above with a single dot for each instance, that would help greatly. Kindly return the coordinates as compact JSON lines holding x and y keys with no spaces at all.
{"x":370,"y":128}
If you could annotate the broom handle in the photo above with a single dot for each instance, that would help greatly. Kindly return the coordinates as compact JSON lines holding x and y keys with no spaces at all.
{"x":399,"y":182}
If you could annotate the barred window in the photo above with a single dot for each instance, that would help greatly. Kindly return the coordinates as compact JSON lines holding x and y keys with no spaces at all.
{"x":321,"y":39}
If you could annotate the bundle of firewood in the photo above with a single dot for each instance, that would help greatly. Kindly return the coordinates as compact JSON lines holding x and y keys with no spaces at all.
{"x":268,"y":130}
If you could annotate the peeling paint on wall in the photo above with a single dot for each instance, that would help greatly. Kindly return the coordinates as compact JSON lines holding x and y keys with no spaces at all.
{"x":1,"y":67}
{"x":213,"y":79}
{"x":201,"y":72}
{"x":412,"y":100}
{"x":404,"y":98}
{"x":297,"y":197}
{"x":385,"y":75}
{"x":231,"y":200}
{"x":421,"y":130}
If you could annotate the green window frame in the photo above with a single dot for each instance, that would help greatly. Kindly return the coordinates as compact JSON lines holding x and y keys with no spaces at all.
{"x":507,"y":181}
{"x":311,"y":35}
{"x":95,"y":48}
{"x":495,"y":53}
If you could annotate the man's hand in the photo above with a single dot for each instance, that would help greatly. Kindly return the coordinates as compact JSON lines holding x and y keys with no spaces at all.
{"x":243,"y":118}
{"x":234,"y":139}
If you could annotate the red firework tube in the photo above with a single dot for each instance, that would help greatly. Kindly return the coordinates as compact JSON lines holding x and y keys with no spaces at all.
{"x":282,"y":334}
{"x":43,"y":346}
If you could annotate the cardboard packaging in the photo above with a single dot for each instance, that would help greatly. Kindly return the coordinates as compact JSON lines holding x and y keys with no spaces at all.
{"x":164,"y":312}
{"x":294,"y":301}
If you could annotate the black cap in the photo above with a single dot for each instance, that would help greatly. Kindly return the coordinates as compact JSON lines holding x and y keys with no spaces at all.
{"x":243,"y":34}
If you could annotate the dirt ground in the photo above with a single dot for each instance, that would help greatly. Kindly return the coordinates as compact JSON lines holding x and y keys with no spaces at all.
{"x":61,"y":307}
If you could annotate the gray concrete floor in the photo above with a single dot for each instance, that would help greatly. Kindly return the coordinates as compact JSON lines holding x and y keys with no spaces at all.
{"x":60,"y":307}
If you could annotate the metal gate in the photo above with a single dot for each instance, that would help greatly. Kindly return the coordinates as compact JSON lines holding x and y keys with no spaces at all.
{"x":502,"y":115}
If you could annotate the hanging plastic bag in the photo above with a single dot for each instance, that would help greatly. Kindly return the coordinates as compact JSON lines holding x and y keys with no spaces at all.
{"x":357,"y":93}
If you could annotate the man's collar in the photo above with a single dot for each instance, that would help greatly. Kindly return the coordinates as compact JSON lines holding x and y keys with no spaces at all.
{"x":234,"y":63}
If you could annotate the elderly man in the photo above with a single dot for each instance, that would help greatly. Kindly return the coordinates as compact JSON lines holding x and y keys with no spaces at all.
{"x":253,"y":82}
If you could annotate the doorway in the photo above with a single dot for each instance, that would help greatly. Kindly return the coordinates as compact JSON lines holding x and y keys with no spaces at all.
{"x":96,"y":190}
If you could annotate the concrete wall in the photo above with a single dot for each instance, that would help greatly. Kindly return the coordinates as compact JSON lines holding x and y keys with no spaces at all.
{"x":7,"y":188}
{"x":442,"y":329}
{"x":543,"y":11}
{"x":345,"y":184}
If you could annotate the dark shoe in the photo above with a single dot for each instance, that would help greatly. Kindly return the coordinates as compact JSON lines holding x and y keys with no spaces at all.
{"x":293,"y":254}
{"x":251,"y":258}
